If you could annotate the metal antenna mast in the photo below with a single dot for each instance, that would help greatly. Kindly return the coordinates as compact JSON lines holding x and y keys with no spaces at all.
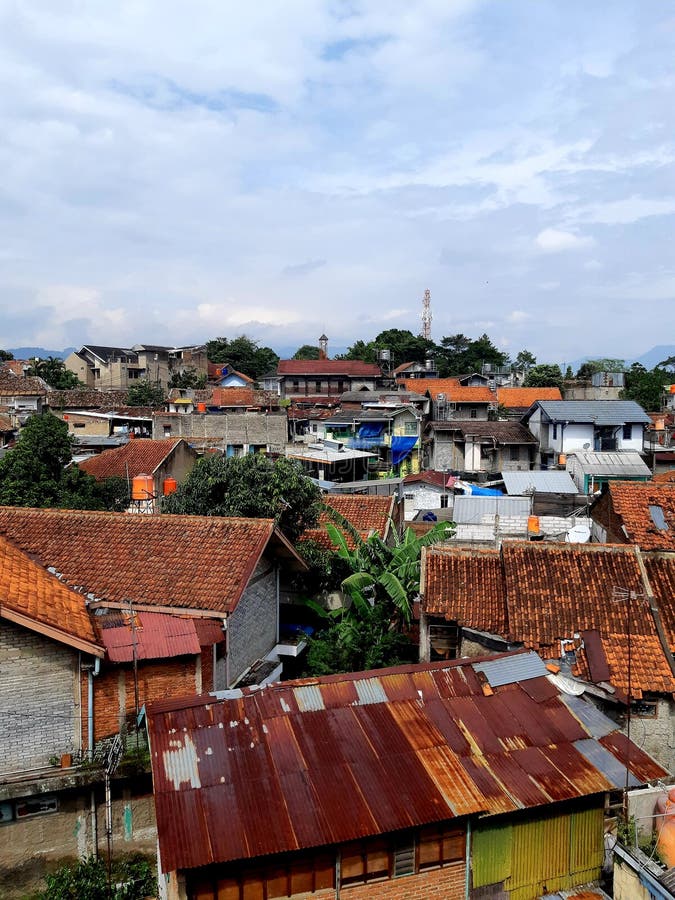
{"x":426,"y":315}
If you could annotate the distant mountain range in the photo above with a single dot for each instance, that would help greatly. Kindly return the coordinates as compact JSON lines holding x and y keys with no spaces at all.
{"x":649,"y":359}
{"x":32,"y":352}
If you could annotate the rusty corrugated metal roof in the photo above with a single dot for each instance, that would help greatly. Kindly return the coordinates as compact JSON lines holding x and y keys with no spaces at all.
{"x":155,"y":636}
{"x":328,"y":760}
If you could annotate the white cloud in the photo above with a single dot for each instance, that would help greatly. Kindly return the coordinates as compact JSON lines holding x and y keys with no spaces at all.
{"x":518,"y":315}
{"x":555,"y":240}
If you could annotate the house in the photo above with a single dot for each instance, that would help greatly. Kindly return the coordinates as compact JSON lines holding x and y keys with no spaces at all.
{"x":384,"y":399}
{"x":452,"y":399}
{"x":168,"y":462}
{"x":475,"y":446}
{"x":21,"y":396}
{"x":569,"y":426}
{"x":302,"y":379}
{"x":433,"y":780}
{"x":86,"y":425}
{"x":427,"y":491}
{"x":600,"y":386}
{"x":223,"y":375}
{"x":219,"y":568}
{"x":367,"y":514}
{"x":233,"y":420}
{"x":591,"y":470}
{"x":490,"y":520}
{"x":586,"y":609}
{"x":514,"y":402}
{"x":118,"y":368}
{"x":330,"y":463}
{"x":393,"y":433}
{"x":641,"y":513}
{"x":7,"y":431}
{"x":416,"y":370}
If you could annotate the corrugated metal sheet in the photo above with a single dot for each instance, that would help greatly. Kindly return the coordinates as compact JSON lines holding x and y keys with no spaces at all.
{"x":155,"y":635}
{"x":605,"y":762}
{"x":595,"y":722}
{"x":508,"y":669}
{"x":627,"y":462}
{"x":553,"y":482}
{"x":492,"y":849}
{"x":471,"y":510}
{"x":328,"y":760}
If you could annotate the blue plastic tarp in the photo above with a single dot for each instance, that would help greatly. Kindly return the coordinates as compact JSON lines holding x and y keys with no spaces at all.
{"x":400,"y":448}
{"x":371,"y":429}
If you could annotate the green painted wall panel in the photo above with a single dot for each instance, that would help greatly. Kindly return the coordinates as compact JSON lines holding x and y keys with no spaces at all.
{"x":491,"y":851}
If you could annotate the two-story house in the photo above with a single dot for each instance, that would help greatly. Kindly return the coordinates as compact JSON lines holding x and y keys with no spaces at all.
{"x":393,"y":433}
{"x":478,"y":446}
{"x":566,"y":426}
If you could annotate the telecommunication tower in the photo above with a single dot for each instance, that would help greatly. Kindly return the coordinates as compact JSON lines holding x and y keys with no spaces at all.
{"x":426,"y":315}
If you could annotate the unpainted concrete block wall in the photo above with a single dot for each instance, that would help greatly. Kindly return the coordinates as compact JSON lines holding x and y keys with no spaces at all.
{"x":253,"y":625}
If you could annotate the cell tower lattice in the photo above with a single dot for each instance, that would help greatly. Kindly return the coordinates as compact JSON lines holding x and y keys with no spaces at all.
{"x":426,"y":315}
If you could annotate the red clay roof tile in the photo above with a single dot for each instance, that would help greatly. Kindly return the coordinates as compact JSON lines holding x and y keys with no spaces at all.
{"x":631,"y":501}
{"x":523,"y":398}
{"x":366,"y":513}
{"x":140,"y":456}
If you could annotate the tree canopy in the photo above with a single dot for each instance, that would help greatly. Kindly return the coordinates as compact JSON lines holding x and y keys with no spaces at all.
{"x":243,"y":354}
{"x":188,"y":378}
{"x":145,"y":393}
{"x":54,"y":372}
{"x":591,"y":366}
{"x":307,"y":351}
{"x":6,"y":355}
{"x":34,"y":473}
{"x":646,"y":386}
{"x":544,"y":375}
{"x":403,"y":345}
{"x":251,"y":486}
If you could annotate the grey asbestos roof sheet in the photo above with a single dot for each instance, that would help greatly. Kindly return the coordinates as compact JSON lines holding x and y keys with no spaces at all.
{"x":508,"y":669}
{"x":602,"y":412}
{"x":545,"y":482}
{"x":624,"y":462}
{"x":470,"y":510}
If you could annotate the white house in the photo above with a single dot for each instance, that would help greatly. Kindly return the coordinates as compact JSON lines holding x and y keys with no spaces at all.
{"x":567,"y":426}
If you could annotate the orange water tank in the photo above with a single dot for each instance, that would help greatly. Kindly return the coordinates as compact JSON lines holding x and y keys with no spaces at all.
{"x":201,"y":407}
{"x":169,"y":486}
{"x":142,"y":487}
{"x":672,"y":389}
{"x":533,"y":524}
{"x":562,"y":460}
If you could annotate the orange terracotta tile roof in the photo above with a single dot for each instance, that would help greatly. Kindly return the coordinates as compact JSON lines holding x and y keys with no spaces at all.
{"x":140,"y":456}
{"x":184,"y":562}
{"x":21,"y":386}
{"x":29,"y":591}
{"x":453,"y":390}
{"x":86,"y":398}
{"x":523,"y":398}
{"x":5,"y":424}
{"x":552,"y":592}
{"x":366,"y":513}
{"x":661,"y":573}
{"x":630,"y":501}
{"x":664,"y":477}
{"x":243,"y":396}
{"x":465,"y":585}
{"x":351,"y":367}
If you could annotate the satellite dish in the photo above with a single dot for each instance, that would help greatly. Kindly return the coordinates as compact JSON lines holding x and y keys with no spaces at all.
{"x":587,"y":446}
{"x":566,"y":684}
{"x":578,"y":534}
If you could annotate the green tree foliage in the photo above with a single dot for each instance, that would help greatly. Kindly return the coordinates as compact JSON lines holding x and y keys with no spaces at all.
{"x":252,"y":486}
{"x":145,"y":393}
{"x":34,"y":473}
{"x":403,"y":345}
{"x":5,"y":356}
{"x":307,"y":351}
{"x":243,"y":354}
{"x":646,"y":386}
{"x":368,"y":631}
{"x":544,"y":375}
{"x":132,"y":879}
{"x":591,"y":366}
{"x":188,"y":378}
{"x":524,"y":360}
{"x":459,"y":355}
{"x":54,"y":372}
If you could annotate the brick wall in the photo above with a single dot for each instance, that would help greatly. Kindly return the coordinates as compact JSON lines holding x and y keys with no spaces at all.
{"x":39,"y":699}
{"x":157,"y":680}
{"x":446,"y":883}
{"x":252,"y":627}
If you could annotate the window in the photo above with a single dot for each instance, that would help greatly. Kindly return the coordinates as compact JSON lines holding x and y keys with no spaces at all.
{"x":658,"y":518}
{"x":408,"y":496}
{"x":554,"y":434}
{"x":404,"y":858}
{"x":443,"y":641}
{"x":646,"y":708}
{"x":444,"y":501}
{"x":78,"y":425}
{"x":627,"y":432}
{"x":473,"y":413}
{"x":167,"y":429}
{"x":411,"y":428}
{"x":514,"y":453}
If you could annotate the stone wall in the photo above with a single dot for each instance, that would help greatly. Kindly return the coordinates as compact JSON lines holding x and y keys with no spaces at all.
{"x":243,"y":429}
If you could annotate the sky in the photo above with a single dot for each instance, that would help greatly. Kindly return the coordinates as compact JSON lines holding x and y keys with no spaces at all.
{"x":173,"y":172}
